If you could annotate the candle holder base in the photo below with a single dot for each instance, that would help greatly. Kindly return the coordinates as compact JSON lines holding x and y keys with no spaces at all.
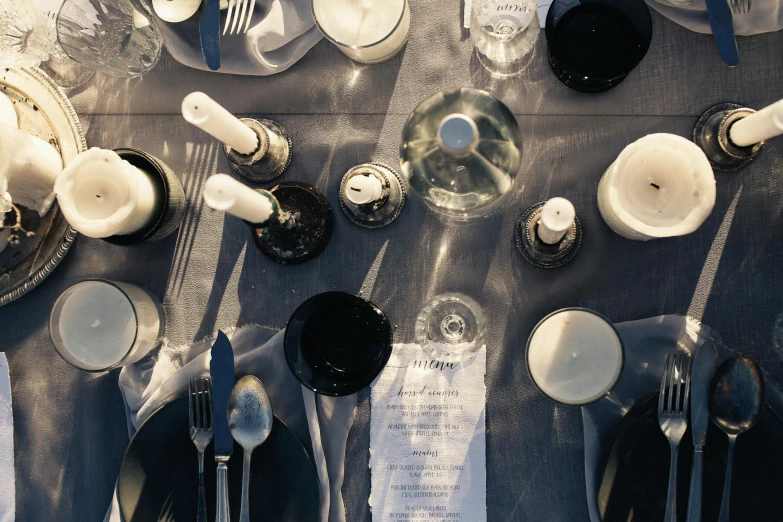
{"x":304,"y":229}
{"x":270,"y":160}
{"x":711,"y":133}
{"x":378,"y":213}
{"x":171,"y":207}
{"x":544,"y":255}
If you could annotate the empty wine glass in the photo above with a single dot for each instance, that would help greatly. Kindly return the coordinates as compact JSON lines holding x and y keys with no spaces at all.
{"x":451,"y":327}
{"x":109,"y":36}
{"x":504,"y":34}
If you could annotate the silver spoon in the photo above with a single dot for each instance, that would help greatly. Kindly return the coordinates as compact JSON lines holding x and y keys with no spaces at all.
{"x":736,"y":404}
{"x":250,"y":421}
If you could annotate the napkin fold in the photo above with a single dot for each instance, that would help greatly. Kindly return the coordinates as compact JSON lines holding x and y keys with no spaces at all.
{"x":764,"y":17}
{"x":321,"y":423}
{"x":7,"y":478}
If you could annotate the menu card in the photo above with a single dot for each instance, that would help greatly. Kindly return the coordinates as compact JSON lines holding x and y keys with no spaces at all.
{"x":427,"y":439}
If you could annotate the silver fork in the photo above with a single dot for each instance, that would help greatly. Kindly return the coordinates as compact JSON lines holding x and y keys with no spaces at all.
{"x":238,"y":10}
{"x":673,"y":417}
{"x":200,"y":415}
{"x":740,"y":6}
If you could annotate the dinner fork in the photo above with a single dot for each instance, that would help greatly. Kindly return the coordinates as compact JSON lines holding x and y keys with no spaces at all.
{"x":200,"y":415}
{"x":740,"y":6}
{"x":238,"y":10}
{"x":673,"y":417}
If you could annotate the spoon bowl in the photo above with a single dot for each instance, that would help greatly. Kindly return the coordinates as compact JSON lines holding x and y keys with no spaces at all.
{"x":174,"y":11}
{"x":250,"y":420}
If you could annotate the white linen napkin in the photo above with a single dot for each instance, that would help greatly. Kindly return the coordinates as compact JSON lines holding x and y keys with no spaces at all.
{"x":764,"y":16}
{"x":321,"y":421}
{"x":7,"y":479}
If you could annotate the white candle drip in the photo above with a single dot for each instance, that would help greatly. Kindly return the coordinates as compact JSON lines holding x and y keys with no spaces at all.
{"x":102,"y":195}
{"x":661,"y":185}
{"x":557,"y":216}
{"x":224,"y":193}
{"x":209,"y":116}
{"x":759,"y":126}
{"x":362,"y":189}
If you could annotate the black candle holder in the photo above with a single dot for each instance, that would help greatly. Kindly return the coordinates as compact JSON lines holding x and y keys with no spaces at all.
{"x":711,"y":133}
{"x":272,"y":157}
{"x":300,"y":226}
{"x":383,"y":211}
{"x":544,"y":255}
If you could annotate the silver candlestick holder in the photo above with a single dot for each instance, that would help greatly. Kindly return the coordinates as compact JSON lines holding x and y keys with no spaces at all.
{"x":272,"y":157}
{"x":711,"y":133}
{"x":372,"y":195}
{"x":541,"y":254}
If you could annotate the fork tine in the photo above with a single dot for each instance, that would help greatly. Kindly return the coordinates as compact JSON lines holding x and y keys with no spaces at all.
{"x":204,"y":403}
{"x":252,"y":8}
{"x":662,"y":395}
{"x":240,"y":4}
{"x":190,"y":403}
{"x":209,"y":402}
{"x":245,"y":5}
{"x":199,"y":400}
{"x":687,"y":385}
{"x":229,"y":14}
{"x":670,"y":403}
{"x":678,"y":383}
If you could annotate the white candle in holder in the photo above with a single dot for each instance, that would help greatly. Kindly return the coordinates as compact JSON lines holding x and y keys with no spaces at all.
{"x":661,"y":185}
{"x":362,"y":189}
{"x":574,"y":356}
{"x":224,"y":193}
{"x":557,"y":216}
{"x":209,"y":116}
{"x":102,"y":195}
{"x":368,"y":31}
{"x":759,"y":126}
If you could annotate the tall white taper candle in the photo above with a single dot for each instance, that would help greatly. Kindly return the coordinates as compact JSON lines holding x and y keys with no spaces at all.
{"x":759,"y":126}
{"x":209,"y":116}
{"x":222,"y":192}
{"x":557,"y":216}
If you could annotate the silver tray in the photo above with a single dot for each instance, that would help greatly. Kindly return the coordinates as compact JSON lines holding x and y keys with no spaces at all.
{"x":45,"y":112}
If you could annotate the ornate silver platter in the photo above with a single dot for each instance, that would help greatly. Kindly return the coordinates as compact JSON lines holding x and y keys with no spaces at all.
{"x":45,"y":112}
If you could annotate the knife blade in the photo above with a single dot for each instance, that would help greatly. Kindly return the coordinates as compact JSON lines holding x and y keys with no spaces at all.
{"x":701,"y":378}
{"x":221,"y":370}
{"x":723,"y":30}
{"x":209,"y":33}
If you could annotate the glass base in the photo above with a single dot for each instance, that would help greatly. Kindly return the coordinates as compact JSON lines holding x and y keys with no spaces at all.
{"x":451,"y":327}
{"x":66,"y":73}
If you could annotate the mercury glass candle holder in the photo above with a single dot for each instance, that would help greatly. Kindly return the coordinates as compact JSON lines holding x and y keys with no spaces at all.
{"x":711,"y":133}
{"x":372,"y":195}
{"x":272,"y":157}
{"x":553,"y":249}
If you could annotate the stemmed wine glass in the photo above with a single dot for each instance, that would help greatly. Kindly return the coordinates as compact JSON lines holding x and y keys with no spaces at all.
{"x":451,"y":327}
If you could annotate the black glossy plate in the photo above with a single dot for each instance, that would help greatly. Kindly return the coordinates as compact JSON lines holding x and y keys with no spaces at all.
{"x":158,"y":479}
{"x":337,"y":343}
{"x":636,"y":472}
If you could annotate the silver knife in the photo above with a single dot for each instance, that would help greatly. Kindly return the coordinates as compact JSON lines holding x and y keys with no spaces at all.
{"x":209,"y":32}
{"x":723,"y":30}
{"x":221,"y":369}
{"x":701,"y":378}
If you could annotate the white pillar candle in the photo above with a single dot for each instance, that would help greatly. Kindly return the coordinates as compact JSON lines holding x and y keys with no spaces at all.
{"x":7,"y":111}
{"x":759,"y":126}
{"x":222,"y":192}
{"x":102,"y":195}
{"x":367,"y":31}
{"x":363,"y":189}
{"x":31,"y":166}
{"x":557,"y":216}
{"x":574,"y":356}
{"x":661,"y":185}
{"x":209,"y":116}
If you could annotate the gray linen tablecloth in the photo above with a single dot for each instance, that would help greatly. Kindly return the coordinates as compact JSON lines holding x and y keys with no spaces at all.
{"x":70,"y":426}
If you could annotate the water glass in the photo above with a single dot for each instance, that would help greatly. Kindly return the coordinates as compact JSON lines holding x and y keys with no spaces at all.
{"x":97,"y":325}
{"x":504,"y":34}
{"x":109,"y":36}
{"x":451,"y":327}
{"x":367,"y":31}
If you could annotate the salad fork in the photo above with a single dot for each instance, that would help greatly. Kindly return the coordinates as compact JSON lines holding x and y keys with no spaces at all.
{"x":673,"y":417}
{"x":740,"y":6}
{"x":200,"y":415}
{"x":238,"y":10}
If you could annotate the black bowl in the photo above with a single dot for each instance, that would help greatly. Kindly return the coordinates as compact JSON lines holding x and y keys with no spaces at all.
{"x":593,"y":44}
{"x":337,"y":343}
{"x":159,"y":474}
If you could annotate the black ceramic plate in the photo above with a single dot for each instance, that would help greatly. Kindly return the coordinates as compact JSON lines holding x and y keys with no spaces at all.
{"x":636,"y":472}
{"x":337,"y":343}
{"x":159,"y":475}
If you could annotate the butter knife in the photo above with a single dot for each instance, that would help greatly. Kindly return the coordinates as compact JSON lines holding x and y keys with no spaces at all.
{"x":209,"y":32}
{"x":221,"y":369}
{"x":723,"y":30}
{"x":701,"y":379}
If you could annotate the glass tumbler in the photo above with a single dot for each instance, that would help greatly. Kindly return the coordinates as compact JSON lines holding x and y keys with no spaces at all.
{"x":367,"y":31}
{"x":97,"y":325}
{"x":109,"y":36}
{"x":451,"y":327}
{"x":504,"y":34}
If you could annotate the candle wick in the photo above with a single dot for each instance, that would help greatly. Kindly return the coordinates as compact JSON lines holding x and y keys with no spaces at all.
{"x":656,"y":186}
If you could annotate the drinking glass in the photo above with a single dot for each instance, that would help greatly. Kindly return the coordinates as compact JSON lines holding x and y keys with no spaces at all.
{"x":367,"y":31}
{"x":594,"y":44}
{"x":451,"y":327}
{"x":109,"y":36}
{"x":504,"y":34}
{"x":97,"y":325}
